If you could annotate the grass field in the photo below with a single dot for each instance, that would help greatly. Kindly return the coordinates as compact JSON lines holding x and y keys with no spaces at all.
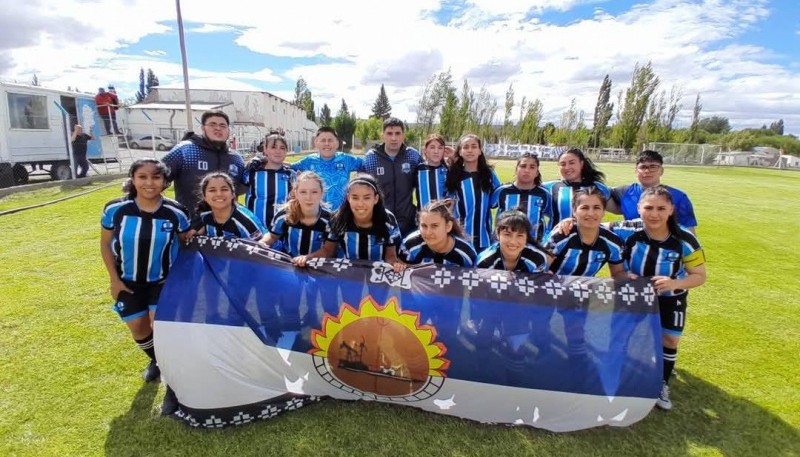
{"x":70,"y":374}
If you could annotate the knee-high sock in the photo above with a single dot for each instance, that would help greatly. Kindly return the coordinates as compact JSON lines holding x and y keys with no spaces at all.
{"x":146,"y":345}
{"x":670,"y":357}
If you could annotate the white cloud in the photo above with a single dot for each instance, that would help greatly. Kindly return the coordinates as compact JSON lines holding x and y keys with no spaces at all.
{"x":211,"y":28}
{"x":156,"y":53}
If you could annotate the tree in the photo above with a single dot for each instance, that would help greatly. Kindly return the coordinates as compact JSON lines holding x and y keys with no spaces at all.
{"x":430,"y":105}
{"x":698,"y":107}
{"x":602,"y":112}
{"x":381,"y":109}
{"x":447,"y":120}
{"x":325,"y":119}
{"x":508,"y":124}
{"x":345,"y":125}
{"x":715,"y":124}
{"x":464,"y":122}
{"x":141,"y":94}
{"x":528,"y":131}
{"x":35,"y":80}
{"x":777,"y":127}
{"x":152,"y":81}
{"x":633,"y":108}
{"x":369,"y":129}
{"x":300,"y":89}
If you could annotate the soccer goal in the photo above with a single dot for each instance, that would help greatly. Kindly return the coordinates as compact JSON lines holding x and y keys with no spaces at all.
{"x":697,"y":154}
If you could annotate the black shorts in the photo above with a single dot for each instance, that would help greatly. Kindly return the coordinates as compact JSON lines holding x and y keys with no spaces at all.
{"x":673,"y":313}
{"x":137,"y":304}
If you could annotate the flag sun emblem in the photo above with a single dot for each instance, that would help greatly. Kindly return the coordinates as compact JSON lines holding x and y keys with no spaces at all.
{"x":379,"y":352}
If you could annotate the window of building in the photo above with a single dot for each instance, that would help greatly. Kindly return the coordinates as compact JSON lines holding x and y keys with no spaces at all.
{"x":28,"y":111}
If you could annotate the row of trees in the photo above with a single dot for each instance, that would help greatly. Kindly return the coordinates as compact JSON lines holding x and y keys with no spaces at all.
{"x":146,"y":84}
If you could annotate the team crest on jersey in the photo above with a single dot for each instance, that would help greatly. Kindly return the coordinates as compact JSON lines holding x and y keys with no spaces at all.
{"x":167,"y":226}
{"x":673,"y":256}
{"x":233,"y":169}
{"x":340,"y":166}
{"x":202,"y":165}
{"x":406,"y":167}
{"x":379,"y":171}
{"x":600,"y":257}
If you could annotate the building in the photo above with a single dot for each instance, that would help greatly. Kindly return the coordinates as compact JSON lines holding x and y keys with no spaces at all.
{"x":252,"y":115}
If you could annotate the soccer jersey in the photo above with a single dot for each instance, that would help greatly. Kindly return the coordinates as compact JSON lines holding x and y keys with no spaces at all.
{"x":474,"y":208}
{"x":265,"y":190}
{"x":535,"y":203}
{"x":415,"y":250}
{"x":363,"y":243}
{"x":241,"y":224}
{"x":299,"y":239}
{"x":561,"y":193}
{"x":573,"y":257}
{"x":144,"y":244}
{"x":531,"y":259}
{"x":335,"y":173}
{"x":627,"y":198}
{"x":645,"y":256}
{"x":430,"y":183}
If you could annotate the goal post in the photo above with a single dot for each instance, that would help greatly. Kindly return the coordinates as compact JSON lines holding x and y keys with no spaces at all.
{"x":687,"y":153}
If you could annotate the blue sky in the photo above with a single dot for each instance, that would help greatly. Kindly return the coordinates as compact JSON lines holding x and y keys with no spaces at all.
{"x":741,"y":56}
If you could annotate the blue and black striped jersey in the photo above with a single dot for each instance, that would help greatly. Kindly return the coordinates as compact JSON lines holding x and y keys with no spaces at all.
{"x":299,"y":239}
{"x":430,"y":183}
{"x":645,"y":256}
{"x":415,"y":250}
{"x":573,"y":257}
{"x":561,"y":193}
{"x":265,"y":190}
{"x":473,"y":208}
{"x":144,"y":244}
{"x":360,"y":243}
{"x":535,"y":203}
{"x":531,"y":259}
{"x":241,"y":224}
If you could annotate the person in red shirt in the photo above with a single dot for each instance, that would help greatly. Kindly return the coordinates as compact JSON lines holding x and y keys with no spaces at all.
{"x":106,"y":106}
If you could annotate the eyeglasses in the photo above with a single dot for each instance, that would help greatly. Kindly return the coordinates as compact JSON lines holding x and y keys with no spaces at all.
{"x":653,"y":167}
{"x":214,"y":125}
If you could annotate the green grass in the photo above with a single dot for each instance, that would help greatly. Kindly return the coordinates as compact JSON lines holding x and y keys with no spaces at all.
{"x":69,"y":372}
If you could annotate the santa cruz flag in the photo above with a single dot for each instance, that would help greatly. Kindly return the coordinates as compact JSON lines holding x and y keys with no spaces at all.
{"x":241,"y":334}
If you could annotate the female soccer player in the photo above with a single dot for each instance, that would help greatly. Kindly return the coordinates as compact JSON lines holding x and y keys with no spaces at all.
{"x":300,"y":223}
{"x":268,"y":180}
{"x":577,"y":171}
{"x":220,"y":215}
{"x":674,"y":260}
{"x":526,"y":193}
{"x":138,"y":243}
{"x":361,"y":227}
{"x":471,"y":180}
{"x":515,"y":249}
{"x":432,"y":173}
{"x":440,"y":238}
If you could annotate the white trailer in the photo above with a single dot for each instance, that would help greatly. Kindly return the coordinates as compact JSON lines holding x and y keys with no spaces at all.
{"x":33,"y":131}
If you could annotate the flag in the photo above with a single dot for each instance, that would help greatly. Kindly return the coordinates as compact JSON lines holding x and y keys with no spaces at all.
{"x":242,"y":335}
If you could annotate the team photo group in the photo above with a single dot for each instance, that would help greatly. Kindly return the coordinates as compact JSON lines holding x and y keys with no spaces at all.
{"x":443,"y":205}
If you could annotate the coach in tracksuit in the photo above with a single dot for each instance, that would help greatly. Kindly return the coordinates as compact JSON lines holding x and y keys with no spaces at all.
{"x":394,"y":166}
{"x":199,"y":155}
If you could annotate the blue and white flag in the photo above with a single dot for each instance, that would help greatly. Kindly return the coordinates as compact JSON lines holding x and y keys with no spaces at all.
{"x":241,"y":335}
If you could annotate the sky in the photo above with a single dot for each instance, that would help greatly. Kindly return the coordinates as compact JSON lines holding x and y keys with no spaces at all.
{"x":741,"y":56}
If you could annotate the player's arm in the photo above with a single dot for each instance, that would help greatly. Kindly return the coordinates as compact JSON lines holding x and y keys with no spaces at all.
{"x":391,"y":258}
{"x":695,"y":277}
{"x":613,"y":201}
{"x":327,"y":250}
{"x":269,"y":239}
{"x":106,"y":236}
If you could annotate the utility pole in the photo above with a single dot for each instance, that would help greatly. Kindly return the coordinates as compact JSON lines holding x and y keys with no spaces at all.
{"x":185,"y":69}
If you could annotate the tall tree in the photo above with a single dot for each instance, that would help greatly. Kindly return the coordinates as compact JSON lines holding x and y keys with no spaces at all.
{"x":464,"y":121}
{"x":715,"y":124}
{"x":447,"y":120}
{"x":777,"y":126}
{"x":434,"y":95}
{"x":528,"y":131}
{"x":307,"y":104}
{"x":35,"y":80}
{"x":300,"y":89}
{"x":633,"y":107}
{"x":345,"y":125}
{"x":508,"y":123}
{"x":602,"y":112}
{"x":152,"y":80}
{"x":698,"y":107}
{"x":381,"y":109}
{"x":325,"y":119}
{"x":141,"y":94}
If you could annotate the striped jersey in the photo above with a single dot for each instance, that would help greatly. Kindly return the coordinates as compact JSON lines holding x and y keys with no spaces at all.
{"x":299,"y":239}
{"x":267,"y":189}
{"x":363,"y":243}
{"x":531,"y":259}
{"x":535,"y":203}
{"x":561,"y":193}
{"x":335,"y":173}
{"x":473,"y":208}
{"x":241,"y":224}
{"x":144,"y":244}
{"x":573,"y":257}
{"x":415,"y":250}
{"x":430,"y":183}
{"x":645,"y":256}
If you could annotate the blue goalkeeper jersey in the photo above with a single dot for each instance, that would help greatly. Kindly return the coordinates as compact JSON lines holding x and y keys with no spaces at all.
{"x":335,"y":173}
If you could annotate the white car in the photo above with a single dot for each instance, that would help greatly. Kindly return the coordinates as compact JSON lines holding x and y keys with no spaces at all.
{"x":146,"y":142}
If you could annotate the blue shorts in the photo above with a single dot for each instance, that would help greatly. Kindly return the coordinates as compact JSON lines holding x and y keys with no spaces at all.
{"x":139,"y":303}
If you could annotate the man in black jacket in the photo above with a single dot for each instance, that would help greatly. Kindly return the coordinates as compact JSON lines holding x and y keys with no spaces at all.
{"x":394,"y":165}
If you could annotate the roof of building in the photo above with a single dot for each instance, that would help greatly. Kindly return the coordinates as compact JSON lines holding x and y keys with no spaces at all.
{"x":179,"y":105}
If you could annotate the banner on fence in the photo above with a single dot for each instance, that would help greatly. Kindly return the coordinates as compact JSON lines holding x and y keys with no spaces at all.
{"x":243,"y":335}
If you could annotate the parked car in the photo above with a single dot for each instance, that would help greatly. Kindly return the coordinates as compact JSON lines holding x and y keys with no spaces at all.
{"x":146,"y":142}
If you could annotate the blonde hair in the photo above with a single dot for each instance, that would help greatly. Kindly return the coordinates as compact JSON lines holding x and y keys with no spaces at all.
{"x":294,"y":214}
